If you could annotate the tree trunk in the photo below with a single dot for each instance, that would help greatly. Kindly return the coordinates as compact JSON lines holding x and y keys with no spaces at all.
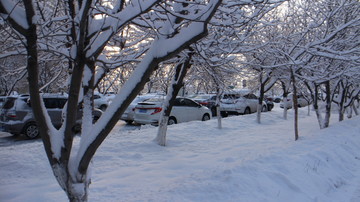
{"x":217,"y":104}
{"x":349,"y":112}
{"x":355,"y":109}
{"x":260,"y":100}
{"x":295,"y":106}
{"x":285,"y":102}
{"x":328,"y":104}
{"x":177,"y":83}
{"x":316,"y":107}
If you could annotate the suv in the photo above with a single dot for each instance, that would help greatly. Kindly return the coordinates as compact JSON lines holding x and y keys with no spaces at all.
{"x":16,"y":116}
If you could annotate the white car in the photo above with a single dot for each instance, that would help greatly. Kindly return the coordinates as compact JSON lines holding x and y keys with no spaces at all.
{"x":128,"y":115}
{"x":302,"y":102}
{"x":110,"y":96}
{"x":238,"y":103}
{"x":184,"y":110}
{"x":100,"y":101}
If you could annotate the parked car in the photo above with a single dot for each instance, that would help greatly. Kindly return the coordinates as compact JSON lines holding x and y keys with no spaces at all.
{"x":184,"y":110}
{"x":16,"y":116}
{"x":269,"y":102}
{"x":100,"y":101}
{"x":240,"y":102}
{"x":208,"y":100}
{"x":302,"y":102}
{"x":128,"y":115}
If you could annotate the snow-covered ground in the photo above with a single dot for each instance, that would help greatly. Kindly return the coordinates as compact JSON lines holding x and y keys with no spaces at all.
{"x":244,"y":161}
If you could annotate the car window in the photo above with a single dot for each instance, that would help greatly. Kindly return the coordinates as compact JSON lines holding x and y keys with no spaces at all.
{"x":231,"y":96}
{"x":9,"y":103}
{"x":54,"y":103}
{"x":61,"y":103}
{"x":50,"y":103}
{"x":250,"y":96}
{"x":178,"y":102}
{"x":186,"y":102}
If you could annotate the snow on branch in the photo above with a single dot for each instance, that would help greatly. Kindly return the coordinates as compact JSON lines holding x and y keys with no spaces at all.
{"x":14,"y":14}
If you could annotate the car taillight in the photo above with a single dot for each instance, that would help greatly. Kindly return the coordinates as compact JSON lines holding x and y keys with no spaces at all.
{"x":156,"y":110}
{"x":203,"y":103}
{"x":11,"y":114}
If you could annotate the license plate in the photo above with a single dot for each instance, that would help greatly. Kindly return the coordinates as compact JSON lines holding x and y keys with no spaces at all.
{"x":142,"y":110}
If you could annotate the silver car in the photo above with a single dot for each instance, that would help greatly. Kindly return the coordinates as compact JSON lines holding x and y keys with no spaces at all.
{"x":16,"y":116}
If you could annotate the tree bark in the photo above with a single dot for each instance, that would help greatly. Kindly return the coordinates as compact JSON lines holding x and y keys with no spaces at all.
{"x":261,"y":98}
{"x":177,"y":83}
{"x":295,"y":106}
{"x":328,"y":104}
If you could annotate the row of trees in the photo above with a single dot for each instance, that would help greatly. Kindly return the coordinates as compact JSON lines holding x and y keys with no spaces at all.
{"x":304,"y":47}
{"x":315,"y":52}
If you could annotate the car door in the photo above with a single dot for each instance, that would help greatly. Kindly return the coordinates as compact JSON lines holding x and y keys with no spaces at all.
{"x":252,"y":101}
{"x":186,"y":110}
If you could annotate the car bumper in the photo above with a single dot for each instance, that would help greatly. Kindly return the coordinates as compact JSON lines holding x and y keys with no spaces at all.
{"x":127,"y":117}
{"x":146,"y":121}
{"x":11,"y":127}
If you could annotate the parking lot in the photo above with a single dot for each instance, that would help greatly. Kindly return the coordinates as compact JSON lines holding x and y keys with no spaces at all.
{"x":7,"y":139}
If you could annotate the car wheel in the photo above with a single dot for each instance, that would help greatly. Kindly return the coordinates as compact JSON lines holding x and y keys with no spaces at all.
{"x":103,"y":107}
{"x":213,"y":111}
{"x":247,"y":110}
{"x":31,"y":131}
{"x":264,"y":109}
{"x":129,"y":122}
{"x":224,"y":114}
{"x":206,"y":117}
{"x":171,"y":121}
{"x":270,"y":108}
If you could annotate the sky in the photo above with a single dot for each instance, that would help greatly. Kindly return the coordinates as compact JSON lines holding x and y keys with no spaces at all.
{"x":243,"y":161}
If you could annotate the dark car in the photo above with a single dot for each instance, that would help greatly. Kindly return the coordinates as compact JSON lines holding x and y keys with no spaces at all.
{"x":207,"y":100}
{"x":16,"y":116}
{"x":269,"y":102}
